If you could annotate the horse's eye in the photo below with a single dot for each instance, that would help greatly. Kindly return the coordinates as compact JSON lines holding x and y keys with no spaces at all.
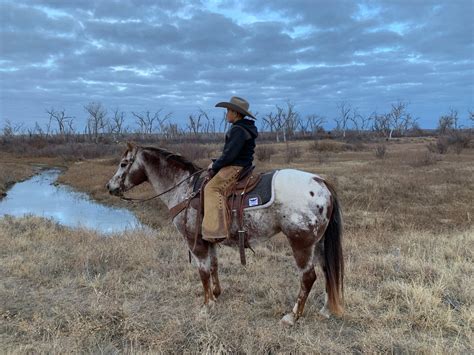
{"x":123,"y":165}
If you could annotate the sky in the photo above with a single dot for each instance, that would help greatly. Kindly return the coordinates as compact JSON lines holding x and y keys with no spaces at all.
{"x":182,"y":56}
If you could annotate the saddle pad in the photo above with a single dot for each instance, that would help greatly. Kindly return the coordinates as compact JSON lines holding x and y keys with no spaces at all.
{"x":262,"y":195}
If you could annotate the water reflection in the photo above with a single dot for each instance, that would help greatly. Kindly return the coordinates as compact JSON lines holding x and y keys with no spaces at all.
{"x":38,"y":196}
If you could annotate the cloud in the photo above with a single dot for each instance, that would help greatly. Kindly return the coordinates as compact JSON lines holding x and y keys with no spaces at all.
{"x":181,"y":55}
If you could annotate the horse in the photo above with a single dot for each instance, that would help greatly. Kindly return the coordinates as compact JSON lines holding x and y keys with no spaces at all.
{"x":305,"y":209}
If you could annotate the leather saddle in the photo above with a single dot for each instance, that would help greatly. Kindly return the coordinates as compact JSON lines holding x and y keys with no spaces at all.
{"x":250,"y":190}
{"x":246,"y":182}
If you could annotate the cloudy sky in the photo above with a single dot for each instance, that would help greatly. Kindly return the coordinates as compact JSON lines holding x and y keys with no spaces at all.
{"x":180,"y":56}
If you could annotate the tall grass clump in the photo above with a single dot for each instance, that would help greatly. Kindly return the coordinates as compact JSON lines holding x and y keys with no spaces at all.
{"x":441,"y":145}
{"x":193,"y":151}
{"x":264,"y":152}
{"x":327,"y":145}
{"x":380,"y":151}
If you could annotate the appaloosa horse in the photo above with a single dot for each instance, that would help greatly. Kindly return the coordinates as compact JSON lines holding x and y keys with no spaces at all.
{"x":305,"y":209}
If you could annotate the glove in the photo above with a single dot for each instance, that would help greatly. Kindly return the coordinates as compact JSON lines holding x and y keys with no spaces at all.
{"x":210,"y":172}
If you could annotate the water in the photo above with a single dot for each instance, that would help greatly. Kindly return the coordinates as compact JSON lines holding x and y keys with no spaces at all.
{"x":38,"y":196}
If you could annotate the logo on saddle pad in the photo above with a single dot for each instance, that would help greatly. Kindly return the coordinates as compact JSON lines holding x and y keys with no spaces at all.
{"x":253,"y":201}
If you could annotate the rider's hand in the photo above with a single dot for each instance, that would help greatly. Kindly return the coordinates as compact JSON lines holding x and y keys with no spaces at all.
{"x":210,"y":172}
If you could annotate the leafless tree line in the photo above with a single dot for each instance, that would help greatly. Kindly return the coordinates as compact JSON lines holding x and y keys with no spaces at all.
{"x":283,"y":123}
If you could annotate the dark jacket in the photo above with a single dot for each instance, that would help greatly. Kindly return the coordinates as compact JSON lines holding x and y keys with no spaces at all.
{"x":239,"y":145}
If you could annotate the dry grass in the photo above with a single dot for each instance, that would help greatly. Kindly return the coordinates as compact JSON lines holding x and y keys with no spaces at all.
{"x":11,"y":173}
{"x":74,"y":291}
{"x":409,"y":270}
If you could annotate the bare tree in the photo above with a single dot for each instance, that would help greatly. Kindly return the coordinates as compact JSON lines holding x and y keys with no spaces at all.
{"x":65,"y":123}
{"x":381,"y":124}
{"x":448,"y":122}
{"x":445,"y":124}
{"x":149,"y":122}
{"x":312,"y":123}
{"x":284,"y":121}
{"x":397,"y":120}
{"x":145,"y":122}
{"x":270,"y":122}
{"x":10,"y":129}
{"x":36,"y":131}
{"x":194,"y":124}
{"x":209,"y":125}
{"x":365,"y":122}
{"x":223,"y":123}
{"x":400,"y":119}
{"x":360,"y":122}
{"x":97,"y":120}
{"x":279,"y":123}
{"x":171,"y":131}
{"x":291,"y":121}
{"x":344,"y":116}
{"x":161,"y":119}
{"x":116,"y":123}
{"x":471,"y":115}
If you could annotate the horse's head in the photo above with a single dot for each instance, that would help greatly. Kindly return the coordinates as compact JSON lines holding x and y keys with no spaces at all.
{"x":130,"y":172}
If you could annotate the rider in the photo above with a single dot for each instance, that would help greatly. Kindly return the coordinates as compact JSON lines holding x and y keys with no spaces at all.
{"x":237,"y":154}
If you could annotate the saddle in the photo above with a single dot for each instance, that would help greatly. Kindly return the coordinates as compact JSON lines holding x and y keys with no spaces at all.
{"x":251,"y":190}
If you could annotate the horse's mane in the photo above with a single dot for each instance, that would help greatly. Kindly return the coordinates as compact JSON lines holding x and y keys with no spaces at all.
{"x":175,"y":158}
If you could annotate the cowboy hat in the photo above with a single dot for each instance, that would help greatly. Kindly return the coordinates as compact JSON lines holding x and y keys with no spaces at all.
{"x":237,"y":104}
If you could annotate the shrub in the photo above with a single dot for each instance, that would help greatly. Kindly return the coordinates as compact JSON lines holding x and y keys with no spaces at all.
{"x":380,"y":151}
{"x":328,"y":146}
{"x":264,"y":152}
{"x":356,"y":146}
{"x":440,"y":146}
{"x":292,"y":153}
{"x":323,"y":158}
{"x":424,"y":159}
{"x":193,"y":151}
{"x":459,"y":140}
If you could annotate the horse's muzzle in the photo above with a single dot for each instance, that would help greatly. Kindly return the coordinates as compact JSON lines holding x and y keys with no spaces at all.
{"x":115,"y":192}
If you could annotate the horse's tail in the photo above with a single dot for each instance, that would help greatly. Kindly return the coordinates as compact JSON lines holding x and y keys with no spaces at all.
{"x":333,"y":258}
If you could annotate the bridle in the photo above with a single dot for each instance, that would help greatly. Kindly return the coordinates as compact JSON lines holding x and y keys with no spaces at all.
{"x":127,"y":170}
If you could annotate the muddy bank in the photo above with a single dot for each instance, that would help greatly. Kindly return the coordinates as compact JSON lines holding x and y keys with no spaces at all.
{"x":11,"y":173}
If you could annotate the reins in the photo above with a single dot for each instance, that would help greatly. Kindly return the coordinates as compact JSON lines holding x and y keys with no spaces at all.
{"x":164,"y":192}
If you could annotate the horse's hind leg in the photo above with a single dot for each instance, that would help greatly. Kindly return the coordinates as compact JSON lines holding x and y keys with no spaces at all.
{"x":303,"y":251}
{"x":216,"y":286}
{"x":319,"y":258}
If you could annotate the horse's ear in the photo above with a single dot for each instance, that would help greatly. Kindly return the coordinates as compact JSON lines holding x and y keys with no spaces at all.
{"x":130,"y":146}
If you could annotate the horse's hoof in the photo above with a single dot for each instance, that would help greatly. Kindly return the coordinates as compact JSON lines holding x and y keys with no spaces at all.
{"x":204,"y":312}
{"x":325,"y":312}
{"x":288,"y":320}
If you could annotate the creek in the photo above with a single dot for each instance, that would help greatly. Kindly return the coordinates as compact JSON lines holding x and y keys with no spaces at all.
{"x":41,"y":196}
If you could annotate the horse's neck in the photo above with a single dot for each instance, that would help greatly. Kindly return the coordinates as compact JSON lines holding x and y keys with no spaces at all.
{"x":163,"y":177}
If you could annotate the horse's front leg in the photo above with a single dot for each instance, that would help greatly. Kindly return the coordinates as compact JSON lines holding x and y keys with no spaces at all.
{"x":303,"y":252}
{"x":216,"y":286}
{"x":202,"y":254}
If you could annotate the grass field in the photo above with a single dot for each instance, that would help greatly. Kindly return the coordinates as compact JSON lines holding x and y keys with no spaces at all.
{"x":408,"y":245}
